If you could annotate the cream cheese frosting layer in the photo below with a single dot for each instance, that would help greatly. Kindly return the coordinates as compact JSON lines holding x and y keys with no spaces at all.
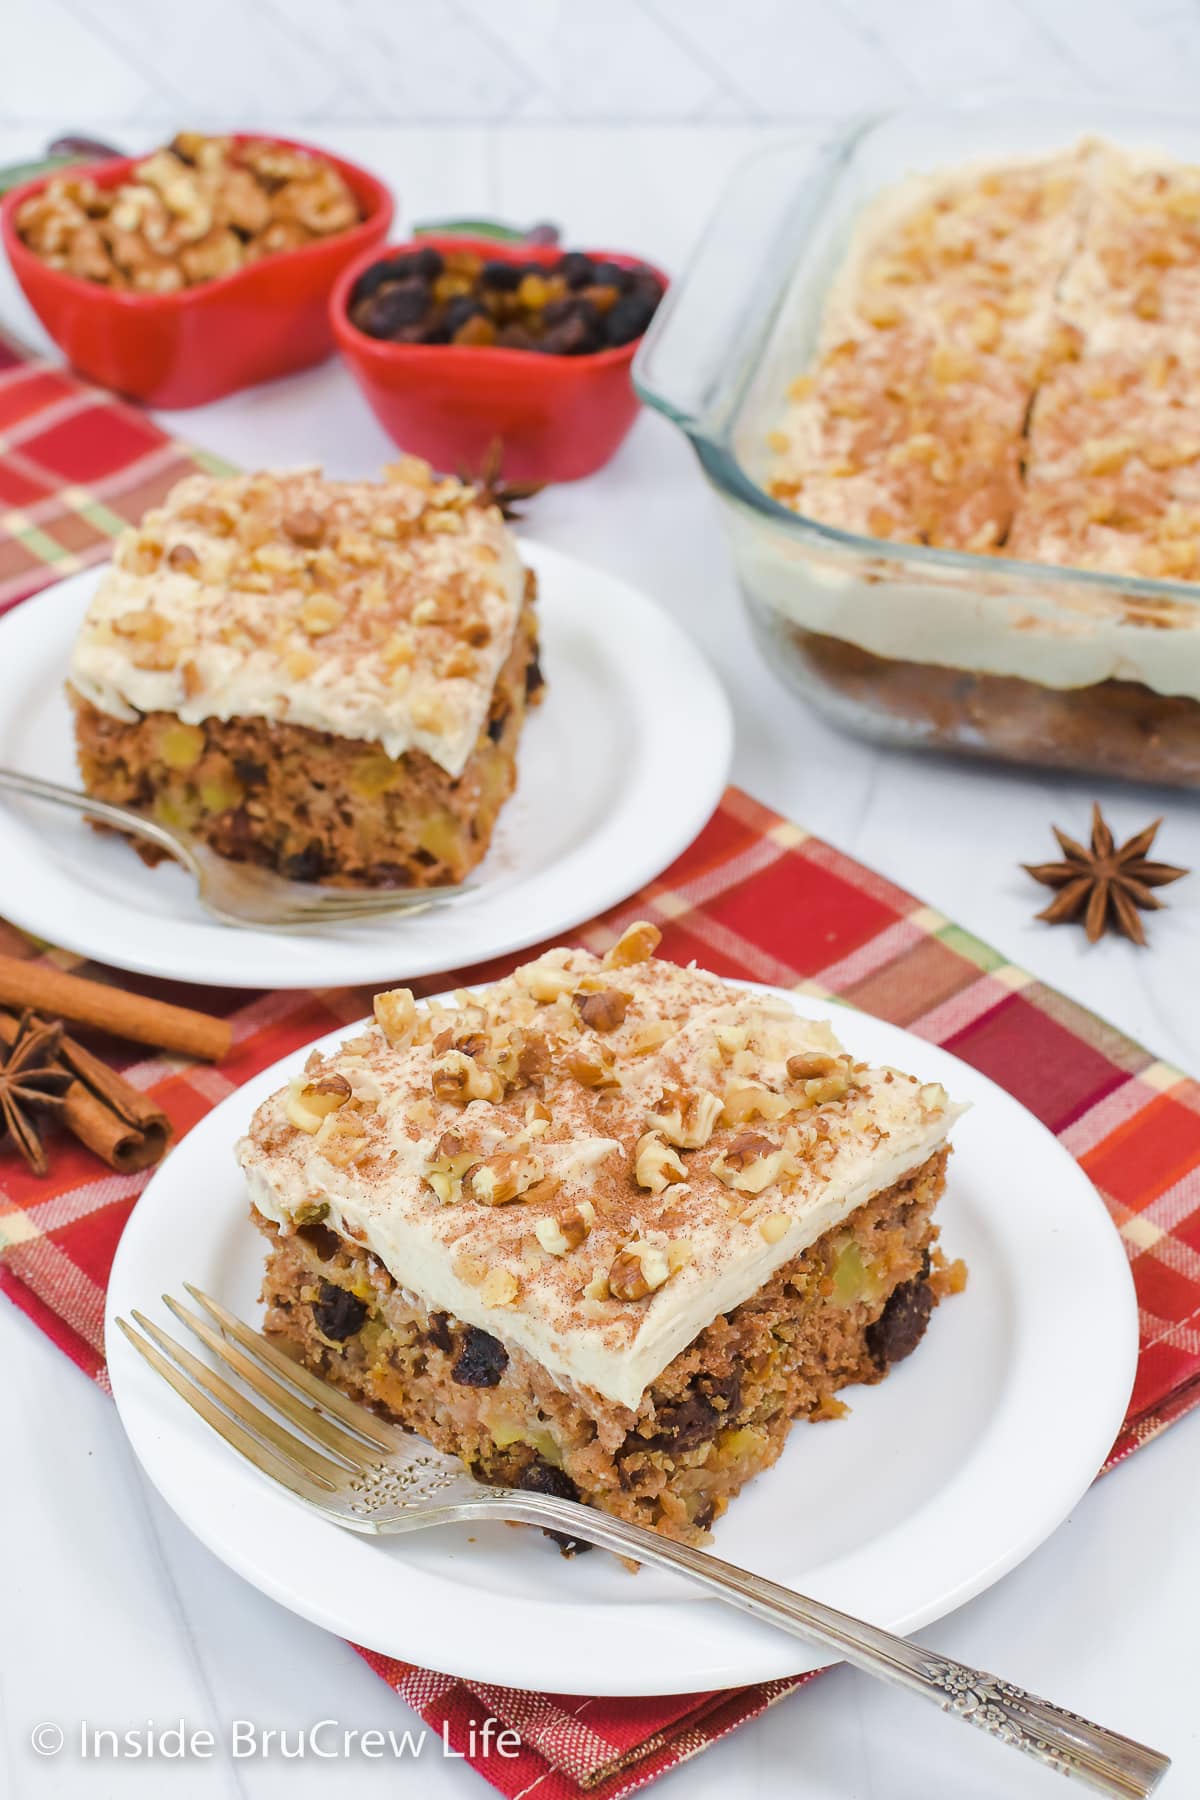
{"x":591,"y":1160}
{"x":374,"y":611}
{"x":1008,"y":362}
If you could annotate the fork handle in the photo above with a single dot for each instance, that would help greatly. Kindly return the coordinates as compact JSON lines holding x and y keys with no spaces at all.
{"x":121,"y":817}
{"x":1101,"y":1759}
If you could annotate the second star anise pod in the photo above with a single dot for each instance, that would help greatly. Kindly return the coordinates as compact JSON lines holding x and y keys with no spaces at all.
{"x":31,"y":1078}
{"x":1104,"y":885}
{"x":492,"y":488}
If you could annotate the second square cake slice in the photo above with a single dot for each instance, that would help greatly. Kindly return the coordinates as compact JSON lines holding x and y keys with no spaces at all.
{"x":325,"y":677}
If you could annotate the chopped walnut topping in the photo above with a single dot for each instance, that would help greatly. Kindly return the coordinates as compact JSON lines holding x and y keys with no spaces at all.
{"x":343,"y":1139}
{"x":500,"y":1287}
{"x":502,"y":1178}
{"x":460,"y":1079}
{"x":656,"y":1165}
{"x":751,"y":1163}
{"x":546,"y":980}
{"x":749,"y":1100}
{"x":593,"y":1066}
{"x":309,"y":1103}
{"x":637,"y":1270}
{"x":321,"y":614}
{"x":807,"y":1065}
{"x":304,"y":526}
{"x":396,"y":1014}
{"x":603,"y":1011}
{"x":560,"y":1236}
{"x":637,"y":943}
{"x":774,"y":1227}
{"x":470,"y":1268}
{"x":686,"y":1120}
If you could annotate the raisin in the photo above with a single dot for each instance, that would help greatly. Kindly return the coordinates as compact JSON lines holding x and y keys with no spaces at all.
{"x":628,"y":319}
{"x":425,"y":265}
{"x":496,"y":726}
{"x":535,"y":681}
{"x":646,"y":283}
{"x":501,"y":277}
{"x":481,"y":1361}
{"x":543,"y":1478}
{"x":338,"y":1313}
{"x":705,"y":1516}
{"x":249,"y":772}
{"x":439,"y":1333}
{"x":460,"y":309}
{"x":401,"y":303}
{"x":428,"y":262}
{"x":706,"y":1406}
{"x":371,"y":280}
{"x":326,"y":1243}
{"x":611,"y":274}
{"x":577,"y":269}
{"x":570,"y":337}
{"x":725,"y":1391}
{"x":306,"y":865}
{"x":901,"y":1325}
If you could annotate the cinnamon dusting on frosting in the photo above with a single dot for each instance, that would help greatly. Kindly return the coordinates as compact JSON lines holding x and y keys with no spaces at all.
{"x":727,"y":1134}
{"x":375,"y":611}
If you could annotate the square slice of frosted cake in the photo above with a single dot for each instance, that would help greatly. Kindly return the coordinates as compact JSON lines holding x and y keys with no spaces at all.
{"x":605,"y":1229}
{"x":328,"y":678}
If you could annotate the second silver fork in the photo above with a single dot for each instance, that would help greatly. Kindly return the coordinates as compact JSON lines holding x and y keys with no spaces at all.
{"x":368,"y":1475}
{"x":238,"y":894}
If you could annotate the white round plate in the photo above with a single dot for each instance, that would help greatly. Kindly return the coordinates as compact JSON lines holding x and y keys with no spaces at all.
{"x":619,"y":768}
{"x":942,"y":1478}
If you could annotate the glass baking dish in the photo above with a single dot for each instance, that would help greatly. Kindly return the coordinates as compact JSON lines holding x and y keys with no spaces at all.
{"x":906,"y":644}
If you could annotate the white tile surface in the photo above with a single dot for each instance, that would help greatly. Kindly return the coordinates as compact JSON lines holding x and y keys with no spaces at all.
{"x":239,"y":62}
{"x":109,"y":1611}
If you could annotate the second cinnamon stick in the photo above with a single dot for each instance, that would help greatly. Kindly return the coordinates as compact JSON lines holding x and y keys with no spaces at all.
{"x":134,"y":1016}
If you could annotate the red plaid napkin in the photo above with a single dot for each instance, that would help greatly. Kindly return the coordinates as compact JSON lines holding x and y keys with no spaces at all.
{"x":77,"y":466}
{"x":755,"y":898}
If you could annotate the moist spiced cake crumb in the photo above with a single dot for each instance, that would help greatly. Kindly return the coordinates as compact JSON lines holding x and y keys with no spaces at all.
{"x":327,"y":678}
{"x":613,"y":1225}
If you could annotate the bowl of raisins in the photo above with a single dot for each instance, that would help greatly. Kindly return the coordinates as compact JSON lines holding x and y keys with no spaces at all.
{"x":457,"y":341}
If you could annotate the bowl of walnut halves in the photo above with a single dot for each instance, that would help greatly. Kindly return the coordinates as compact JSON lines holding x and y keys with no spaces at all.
{"x":205,"y":267}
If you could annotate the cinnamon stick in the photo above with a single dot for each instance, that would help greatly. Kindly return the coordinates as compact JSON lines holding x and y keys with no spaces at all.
{"x":103,"y":1110}
{"x":145,"y":1021}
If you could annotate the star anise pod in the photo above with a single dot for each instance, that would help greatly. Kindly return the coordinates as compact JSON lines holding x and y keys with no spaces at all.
{"x":1102,"y":884}
{"x":29,"y":1078}
{"x":492,"y":488}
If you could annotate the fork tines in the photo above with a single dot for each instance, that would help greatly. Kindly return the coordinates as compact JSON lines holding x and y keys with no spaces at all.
{"x":341,"y":1440}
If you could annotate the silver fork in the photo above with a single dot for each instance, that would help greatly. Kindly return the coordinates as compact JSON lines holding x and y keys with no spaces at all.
{"x":238,"y":893}
{"x":368,"y":1475}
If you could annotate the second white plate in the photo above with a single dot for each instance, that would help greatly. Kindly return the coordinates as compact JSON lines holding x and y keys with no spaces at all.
{"x":943,"y":1477}
{"x":618,"y":770}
